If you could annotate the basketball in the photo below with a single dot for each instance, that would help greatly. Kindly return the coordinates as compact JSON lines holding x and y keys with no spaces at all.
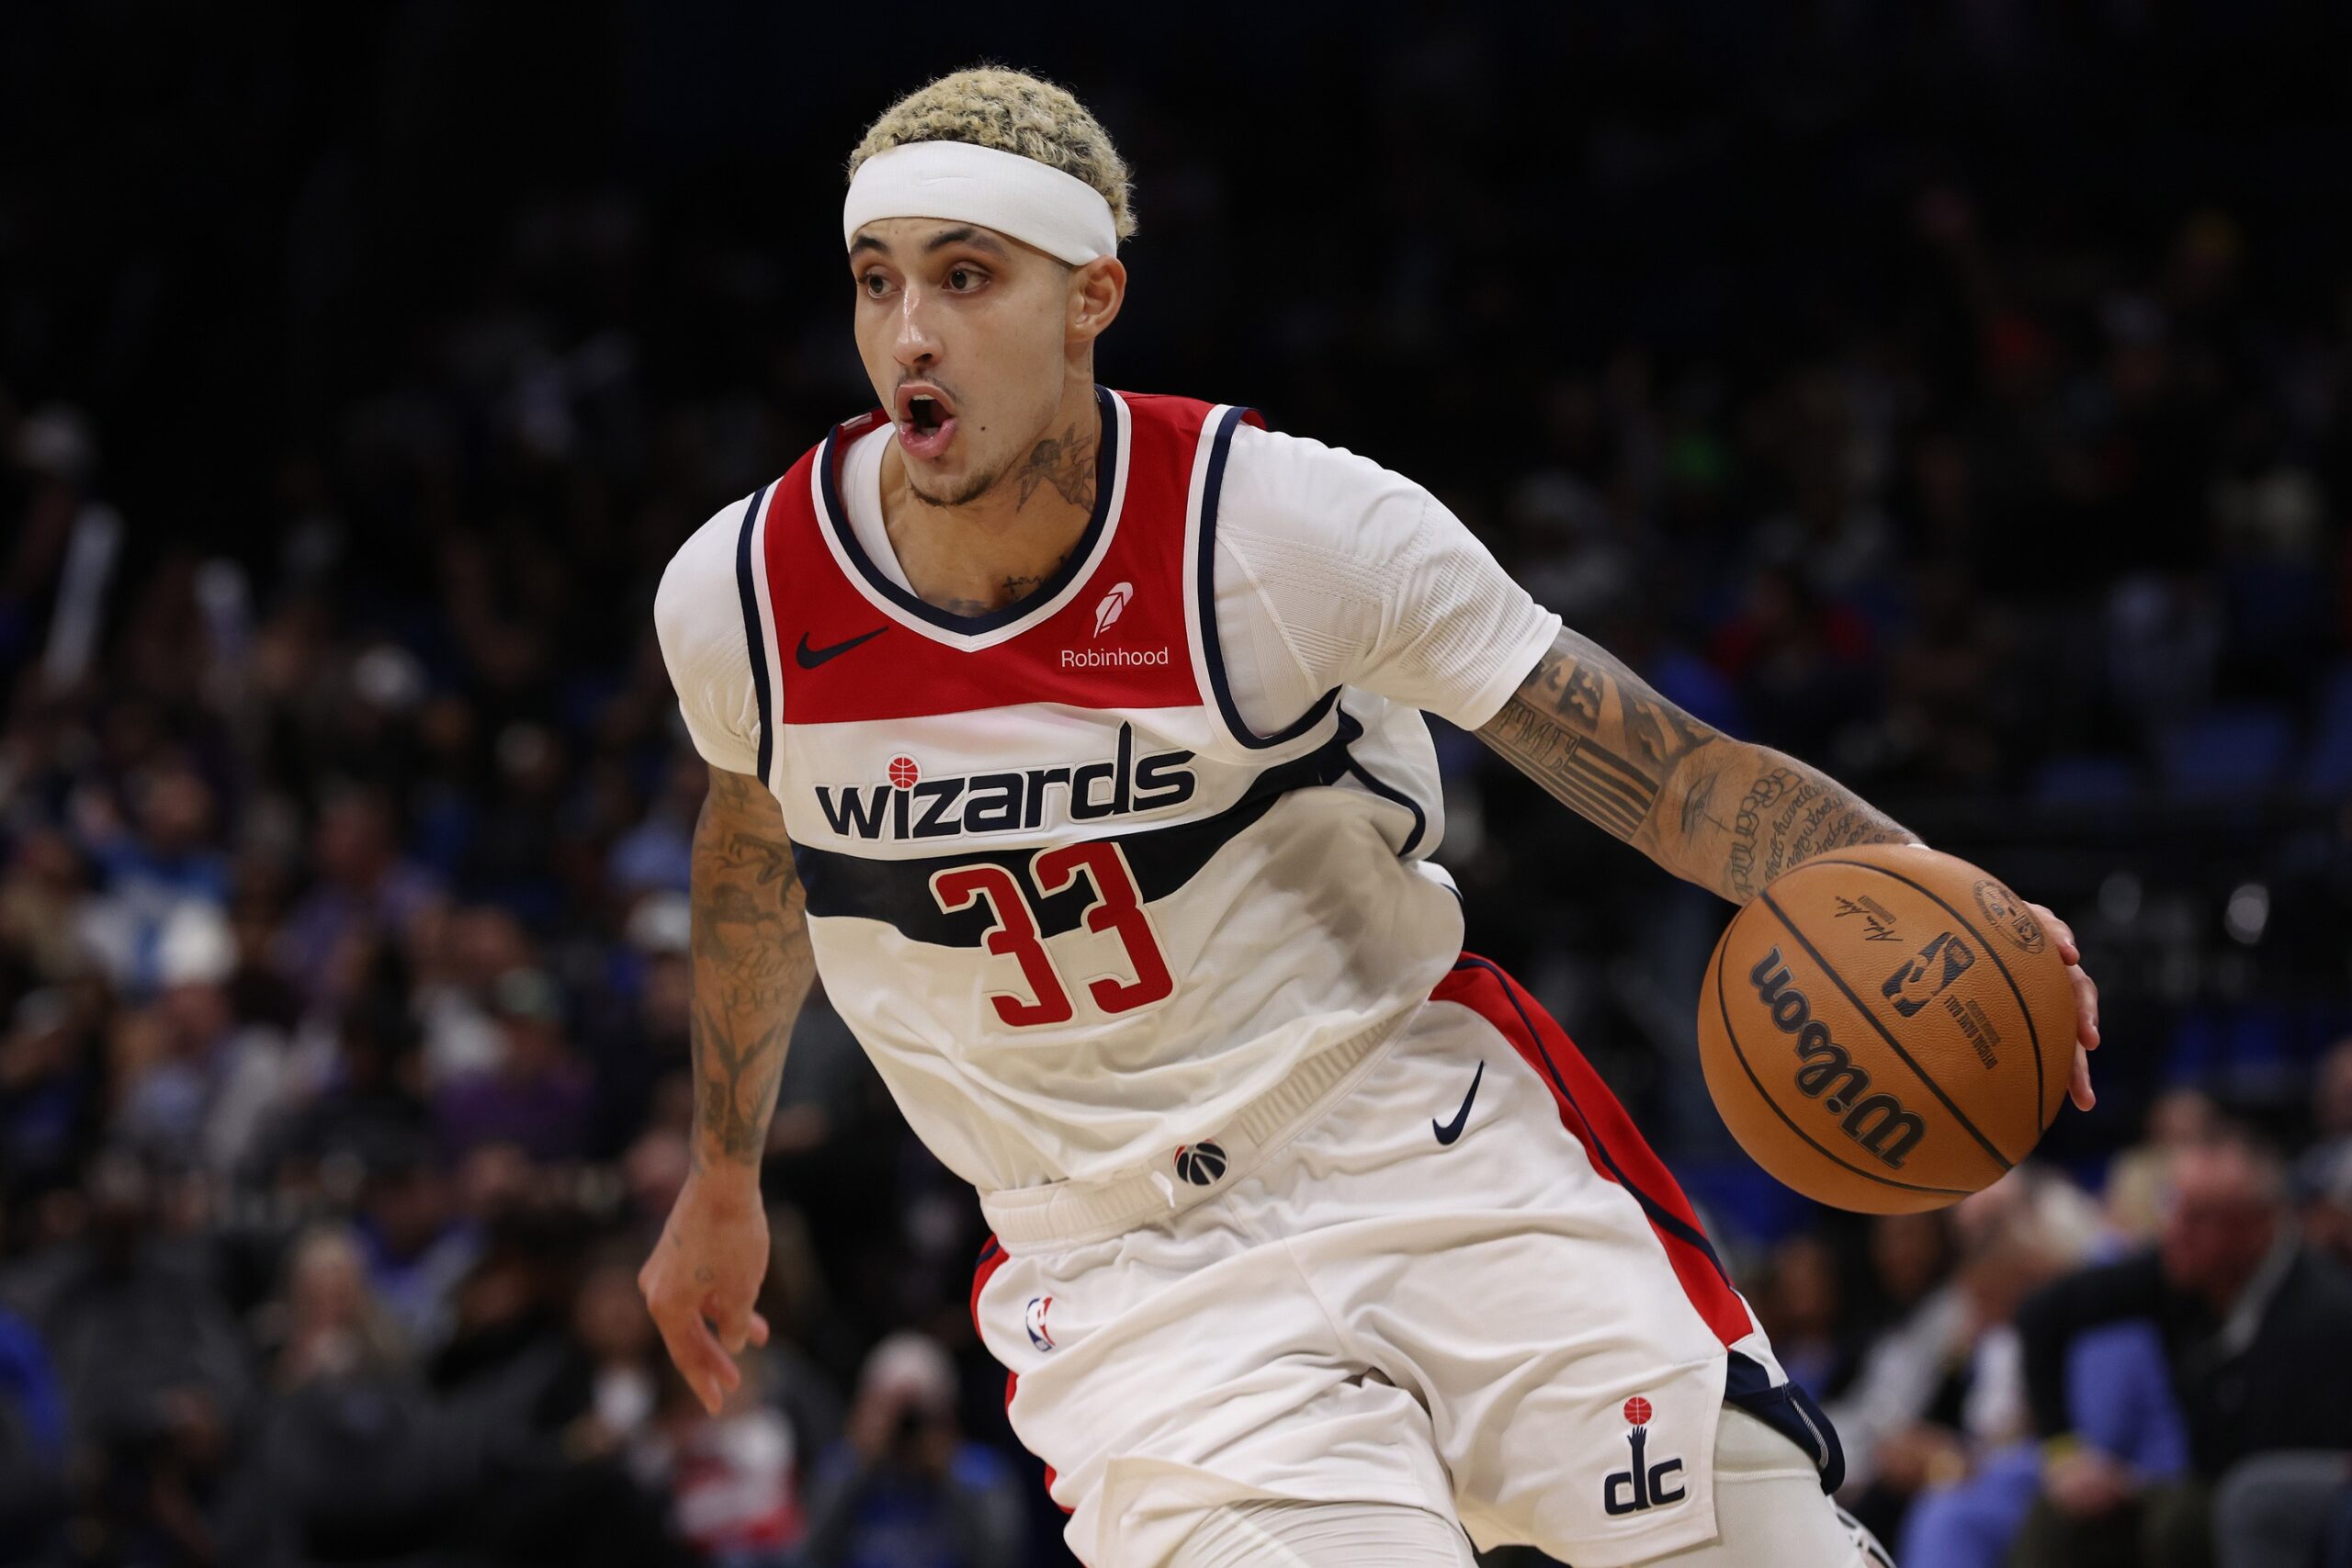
{"x":1886,"y":1029}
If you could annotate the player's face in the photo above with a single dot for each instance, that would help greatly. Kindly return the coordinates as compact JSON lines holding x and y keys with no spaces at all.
{"x":965,"y":334}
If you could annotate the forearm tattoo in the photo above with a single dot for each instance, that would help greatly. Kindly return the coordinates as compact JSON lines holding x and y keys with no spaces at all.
{"x":751,"y":966}
{"x":1597,"y":738}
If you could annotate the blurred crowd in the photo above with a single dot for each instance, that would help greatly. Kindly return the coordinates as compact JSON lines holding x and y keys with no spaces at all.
{"x":1960,"y":397}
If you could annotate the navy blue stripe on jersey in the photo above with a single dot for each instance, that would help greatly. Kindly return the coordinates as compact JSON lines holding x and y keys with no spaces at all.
{"x":1106,"y":484}
{"x":1212,"y":653}
{"x":1348,"y":723}
{"x":1421,"y":820}
{"x":1790,"y":1411}
{"x":1659,"y":1215}
{"x":756,"y":645}
{"x":898,"y":892}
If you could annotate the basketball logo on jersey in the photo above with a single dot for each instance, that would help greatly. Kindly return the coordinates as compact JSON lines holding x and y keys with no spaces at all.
{"x":1645,"y":1485}
{"x":1039,"y":1334}
{"x":1113,"y":602}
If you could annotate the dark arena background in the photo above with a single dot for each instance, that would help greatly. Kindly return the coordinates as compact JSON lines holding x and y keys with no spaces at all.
{"x":1957,"y":395}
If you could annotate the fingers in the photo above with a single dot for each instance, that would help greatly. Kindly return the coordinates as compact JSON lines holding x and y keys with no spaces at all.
{"x":2087,"y":1032}
{"x":707,"y":1368}
{"x":2060,"y":930}
{"x":2085,"y":1007}
{"x":737,"y":1325}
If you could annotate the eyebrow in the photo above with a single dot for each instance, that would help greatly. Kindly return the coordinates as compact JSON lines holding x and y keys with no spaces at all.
{"x":967,"y":235}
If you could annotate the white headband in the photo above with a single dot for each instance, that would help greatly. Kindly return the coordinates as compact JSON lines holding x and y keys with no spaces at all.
{"x":1059,"y":213}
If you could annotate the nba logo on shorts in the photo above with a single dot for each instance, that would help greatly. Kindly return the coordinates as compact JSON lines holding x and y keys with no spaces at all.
{"x":1646,"y":1485}
{"x":1039,"y":1334}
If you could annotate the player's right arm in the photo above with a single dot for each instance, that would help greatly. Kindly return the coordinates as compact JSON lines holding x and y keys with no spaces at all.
{"x":750,"y":966}
{"x":751,"y":970}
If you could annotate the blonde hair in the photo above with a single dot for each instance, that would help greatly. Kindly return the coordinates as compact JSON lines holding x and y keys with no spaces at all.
{"x":990,"y":105}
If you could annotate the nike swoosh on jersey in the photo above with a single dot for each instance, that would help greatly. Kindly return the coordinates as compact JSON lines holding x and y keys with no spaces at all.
{"x":1448,"y":1130}
{"x":809,"y":657}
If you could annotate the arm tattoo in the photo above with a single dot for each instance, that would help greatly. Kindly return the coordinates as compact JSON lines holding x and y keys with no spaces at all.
{"x":751,"y":966}
{"x":1597,"y":738}
{"x":1586,"y":729}
{"x":1791,"y":813}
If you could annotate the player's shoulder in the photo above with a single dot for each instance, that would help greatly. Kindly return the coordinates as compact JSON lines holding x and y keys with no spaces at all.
{"x":700,"y":577}
{"x":1282,"y":483}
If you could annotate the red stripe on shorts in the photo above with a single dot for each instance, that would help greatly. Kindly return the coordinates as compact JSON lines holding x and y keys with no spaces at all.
{"x":1610,"y":1141}
{"x":992,"y":1256}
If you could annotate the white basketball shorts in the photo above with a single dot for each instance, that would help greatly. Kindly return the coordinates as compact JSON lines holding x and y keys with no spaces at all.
{"x":1439,"y":1268}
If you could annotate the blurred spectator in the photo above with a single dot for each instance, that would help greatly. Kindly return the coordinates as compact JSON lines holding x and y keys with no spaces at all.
{"x":333,"y":1325}
{"x":1803,"y":1309}
{"x":42,"y":896}
{"x":904,"y":1489}
{"x":158,"y":1379}
{"x":164,"y":867}
{"x":2140,"y":1179}
{"x":1912,"y":1377}
{"x":365,"y":887}
{"x":2253,"y":1328}
{"x":736,"y":1478}
{"x":538,"y":1098}
{"x":417,"y":1244}
{"x":32,"y":1445}
{"x":1944,"y":1418}
{"x":51,"y":1085}
{"x":1797,"y":661}
{"x":198,"y":1083}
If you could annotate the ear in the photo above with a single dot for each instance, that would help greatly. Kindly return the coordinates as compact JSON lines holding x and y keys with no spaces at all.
{"x":1097,"y":289}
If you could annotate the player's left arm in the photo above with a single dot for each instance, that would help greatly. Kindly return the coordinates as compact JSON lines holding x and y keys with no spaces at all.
{"x":1723,"y":813}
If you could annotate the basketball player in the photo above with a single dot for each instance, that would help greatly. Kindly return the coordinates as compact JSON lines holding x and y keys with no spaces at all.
{"x":1072,"y":736}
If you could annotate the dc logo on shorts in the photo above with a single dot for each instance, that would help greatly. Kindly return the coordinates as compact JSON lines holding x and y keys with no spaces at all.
{"x":1645,"y":1487}
{"x":1039,"y":1334}
{"x":1199,"y":1164}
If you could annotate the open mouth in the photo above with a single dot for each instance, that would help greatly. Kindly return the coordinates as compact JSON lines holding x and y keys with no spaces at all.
{"x":926,"y":421}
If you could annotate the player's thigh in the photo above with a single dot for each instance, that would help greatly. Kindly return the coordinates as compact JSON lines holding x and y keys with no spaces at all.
{"x":1770,"y":1511}
{"x":1323,"y":1535}
{"x":1471,"y":1217}
{"x":1184,"y":1367}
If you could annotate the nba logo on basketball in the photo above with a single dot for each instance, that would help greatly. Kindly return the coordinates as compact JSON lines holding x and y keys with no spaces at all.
{"x":1039,"y":1334}
{"x":1646,"y":1485}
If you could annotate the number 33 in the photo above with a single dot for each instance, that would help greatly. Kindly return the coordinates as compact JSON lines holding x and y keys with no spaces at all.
{"x":1118,"y":906}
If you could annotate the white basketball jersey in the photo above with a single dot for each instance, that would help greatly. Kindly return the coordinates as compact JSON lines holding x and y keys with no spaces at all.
{"x":1076,"y":911}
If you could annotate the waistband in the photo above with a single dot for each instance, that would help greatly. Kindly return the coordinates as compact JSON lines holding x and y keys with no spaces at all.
{"x":1071,"y":1213}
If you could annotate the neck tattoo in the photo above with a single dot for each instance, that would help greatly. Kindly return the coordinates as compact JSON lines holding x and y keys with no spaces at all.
{"x":1064,"y":461}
